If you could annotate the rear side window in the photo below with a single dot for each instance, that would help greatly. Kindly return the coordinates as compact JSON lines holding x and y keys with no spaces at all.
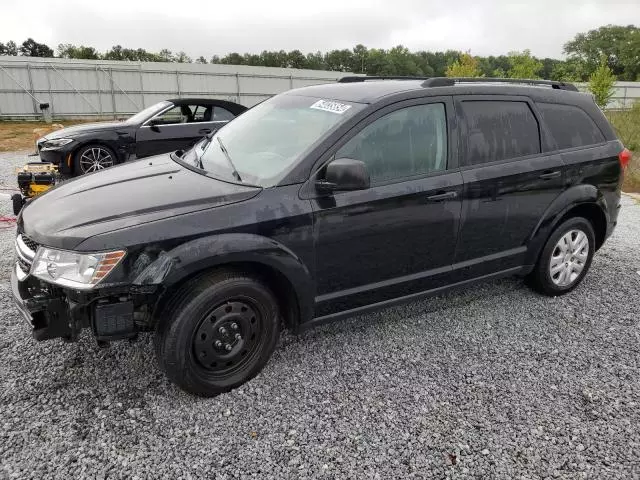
{"x":222,"y":115}
{"x":570,"y":126}
{"x":499,"y":130}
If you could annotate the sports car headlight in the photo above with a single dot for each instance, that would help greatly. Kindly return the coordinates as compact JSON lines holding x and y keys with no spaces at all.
{"x":56,"y":143}
{"x":74,"y":270}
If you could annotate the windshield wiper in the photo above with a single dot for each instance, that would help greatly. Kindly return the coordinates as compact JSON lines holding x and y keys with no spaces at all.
{"x":228,"y":157}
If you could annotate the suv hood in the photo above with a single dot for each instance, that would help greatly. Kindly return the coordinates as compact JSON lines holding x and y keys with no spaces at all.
{"x":82,"y":128}
{"x":130,"y":194}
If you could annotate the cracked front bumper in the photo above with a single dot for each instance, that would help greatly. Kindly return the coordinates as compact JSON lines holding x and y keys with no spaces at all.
{"x":48,"y":316}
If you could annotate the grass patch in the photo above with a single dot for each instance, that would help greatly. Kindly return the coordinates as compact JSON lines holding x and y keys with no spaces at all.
{"x":19,"y":135}
{"x":627,"y":126}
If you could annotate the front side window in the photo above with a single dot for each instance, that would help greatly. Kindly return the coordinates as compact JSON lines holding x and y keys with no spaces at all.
{"x":570,"y":126}
{"x":408,"y":142}
{"x":264,"y":143}
{"x":148,"y":112}
{"x":499,"y":130}
{"x":180,"y":114}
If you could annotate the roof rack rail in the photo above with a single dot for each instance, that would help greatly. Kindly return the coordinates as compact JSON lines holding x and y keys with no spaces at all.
{"x":450,"y":81}
{"x":364,"y":78}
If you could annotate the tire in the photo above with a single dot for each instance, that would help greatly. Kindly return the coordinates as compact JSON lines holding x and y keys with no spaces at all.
{"x":93,"y":158}
{"x":193,"y":350}
{"x":559,"y":271}
{"x":18,"y":202}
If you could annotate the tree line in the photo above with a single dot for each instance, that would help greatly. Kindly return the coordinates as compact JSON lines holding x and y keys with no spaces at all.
{"x":614,"y":47}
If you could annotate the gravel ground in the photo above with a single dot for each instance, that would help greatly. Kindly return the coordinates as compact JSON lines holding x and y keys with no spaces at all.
{"x":492,"y":382}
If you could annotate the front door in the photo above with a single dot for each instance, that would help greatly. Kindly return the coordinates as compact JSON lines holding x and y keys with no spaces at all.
{"x":178,"y":128}
{"x":398,"y":237}
{"x":509,"y":182}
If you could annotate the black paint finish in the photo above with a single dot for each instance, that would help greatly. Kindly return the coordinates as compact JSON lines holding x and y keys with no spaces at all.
{"x":339,"y":253}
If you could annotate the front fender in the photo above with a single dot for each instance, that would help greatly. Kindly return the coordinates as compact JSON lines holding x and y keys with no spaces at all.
{"x":174,"y":266}
{"x":567,"y":200}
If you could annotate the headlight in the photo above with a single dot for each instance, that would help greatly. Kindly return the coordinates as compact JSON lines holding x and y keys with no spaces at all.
{"x":56,"y":143}
{"x":74,"y":270}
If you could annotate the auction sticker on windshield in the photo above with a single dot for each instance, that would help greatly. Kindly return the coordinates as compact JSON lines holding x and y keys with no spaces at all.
{"x":331,"y":106}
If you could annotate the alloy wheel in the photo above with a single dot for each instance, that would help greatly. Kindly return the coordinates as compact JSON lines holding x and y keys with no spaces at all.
{"x":569,"y":258}
{"x":94,"y":159}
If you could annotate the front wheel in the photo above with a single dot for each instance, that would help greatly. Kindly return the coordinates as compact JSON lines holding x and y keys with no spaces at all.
{"x":565,"y":258}
{"x":217,"y":333}
{"x":93,"y":158}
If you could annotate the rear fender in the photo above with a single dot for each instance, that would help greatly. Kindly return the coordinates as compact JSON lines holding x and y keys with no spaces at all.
{"x":569,"y":199}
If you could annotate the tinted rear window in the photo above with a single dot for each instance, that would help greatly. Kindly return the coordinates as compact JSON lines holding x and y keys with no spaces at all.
{"x":499,"y":130}
{"x":570,"y":126}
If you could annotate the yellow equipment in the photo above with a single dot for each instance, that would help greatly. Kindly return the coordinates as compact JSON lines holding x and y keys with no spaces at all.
{"x":34,"y":179}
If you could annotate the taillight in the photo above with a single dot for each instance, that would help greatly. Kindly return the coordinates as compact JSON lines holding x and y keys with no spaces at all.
{"x":625,"y":157}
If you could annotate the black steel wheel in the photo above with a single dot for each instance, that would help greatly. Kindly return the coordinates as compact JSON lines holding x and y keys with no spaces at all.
{"x":228,"y":338}
{"x":93,"y":158}
{"x":217,"y":332}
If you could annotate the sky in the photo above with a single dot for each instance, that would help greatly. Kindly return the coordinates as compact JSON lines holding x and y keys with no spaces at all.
{"x":486,"y":27}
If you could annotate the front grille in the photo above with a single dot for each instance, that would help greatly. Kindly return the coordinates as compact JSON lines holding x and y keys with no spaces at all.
{"x":30,"y":243}
{"x":25,"y":252}
{"x":24,"y":266}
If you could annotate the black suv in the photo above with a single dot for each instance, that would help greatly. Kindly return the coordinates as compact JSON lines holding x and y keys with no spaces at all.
{"x":321,"y":203}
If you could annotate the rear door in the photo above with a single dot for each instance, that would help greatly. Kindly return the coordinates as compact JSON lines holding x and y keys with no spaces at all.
{"x":397,"y":237}
{"x":508,"y":182}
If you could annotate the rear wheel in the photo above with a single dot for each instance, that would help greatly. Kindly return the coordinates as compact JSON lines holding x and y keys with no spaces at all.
{"x":218,"y":332}
{"x":92,"y":158}
{"x":565,"y":258}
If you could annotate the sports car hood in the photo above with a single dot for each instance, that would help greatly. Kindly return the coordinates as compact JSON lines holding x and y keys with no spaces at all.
{"x":82,"y":128}
{"x":130,"y":194}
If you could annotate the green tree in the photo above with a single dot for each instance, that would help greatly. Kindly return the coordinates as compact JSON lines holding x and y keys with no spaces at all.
{"x":465,"y":66}
{"x":165,"y":55}
{"x":182,"y":57}
{"x":339,"y":60}
{"x":618,"y":44}
{"x":315,"y":61}
{"x":523,"y":65}
{"x":403,"y":62}
{"x":573,"y":70}
{"x":31,"y":48}
{"x":601,"y":83}
{"x":201,"y":60}
{"x":296,"y":59}
{"x":359,"y":59}
{"x":67,"y":50}
{"x":10,"y":48}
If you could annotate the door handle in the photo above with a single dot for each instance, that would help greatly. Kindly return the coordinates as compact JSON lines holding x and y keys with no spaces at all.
{"x":442,"y":196}
{"x":550,"y":175}
{"x":204,"y":131}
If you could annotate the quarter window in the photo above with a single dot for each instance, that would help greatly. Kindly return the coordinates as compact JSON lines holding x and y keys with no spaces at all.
{"x":499,"y":130}
{"x":222,"y":115}
{"x":570,"y":126}
{"x":407,"y":142}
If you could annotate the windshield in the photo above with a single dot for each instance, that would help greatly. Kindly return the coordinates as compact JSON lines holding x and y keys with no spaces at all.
{"x":148,"y":112}
{"x":263,"y":144}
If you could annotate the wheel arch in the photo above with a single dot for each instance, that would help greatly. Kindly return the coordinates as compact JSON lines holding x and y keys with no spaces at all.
{"x":281,"y":270}
{"x":579,"y":201}
{"x":94,"y":141}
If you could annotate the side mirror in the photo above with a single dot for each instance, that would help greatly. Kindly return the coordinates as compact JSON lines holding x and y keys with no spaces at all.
{"x":344,"y":174}
{"x":153,"y":123}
